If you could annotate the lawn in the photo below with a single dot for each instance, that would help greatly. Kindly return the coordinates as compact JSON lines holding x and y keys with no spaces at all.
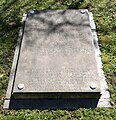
{"x":104,"y":12}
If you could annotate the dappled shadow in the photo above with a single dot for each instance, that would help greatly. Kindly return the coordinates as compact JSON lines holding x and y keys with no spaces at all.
{"x":7,"y":6}
{"x":6,"y":25}
{"x":62,"y":22}
{"x":75,"y":5}
{"x":9,"y":28}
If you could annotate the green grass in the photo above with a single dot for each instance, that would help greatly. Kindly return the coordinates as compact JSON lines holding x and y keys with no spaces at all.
{"x":104,"y":12}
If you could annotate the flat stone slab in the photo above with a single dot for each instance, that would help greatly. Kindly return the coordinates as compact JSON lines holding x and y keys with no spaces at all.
{"x":57,"y":62}
{"x":57,"y":54}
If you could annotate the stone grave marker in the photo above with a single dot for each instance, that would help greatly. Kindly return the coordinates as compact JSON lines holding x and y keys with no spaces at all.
{"x":56,"y":62}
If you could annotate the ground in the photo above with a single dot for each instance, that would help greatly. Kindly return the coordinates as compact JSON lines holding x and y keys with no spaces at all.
{"x":104,"y":12}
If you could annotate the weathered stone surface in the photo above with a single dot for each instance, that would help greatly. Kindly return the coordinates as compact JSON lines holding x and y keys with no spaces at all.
{"x":57,"y":55}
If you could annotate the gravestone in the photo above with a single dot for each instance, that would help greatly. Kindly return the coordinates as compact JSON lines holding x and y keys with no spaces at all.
{"x":55,"y":61}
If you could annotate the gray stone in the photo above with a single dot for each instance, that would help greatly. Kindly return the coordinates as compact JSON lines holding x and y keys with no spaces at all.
{"x":57,"y":58}
{"x":57,"y":54}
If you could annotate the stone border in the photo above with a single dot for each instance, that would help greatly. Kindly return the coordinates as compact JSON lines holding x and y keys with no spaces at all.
{"x":14,"y":64}
{"x":104,"y":100}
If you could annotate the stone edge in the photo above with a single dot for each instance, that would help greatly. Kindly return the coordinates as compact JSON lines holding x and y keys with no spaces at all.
{"x":14,"y":65}
{"x":104,"y":100}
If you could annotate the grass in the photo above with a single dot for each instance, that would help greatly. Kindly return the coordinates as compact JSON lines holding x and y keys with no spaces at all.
{"x":104,"y":12}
